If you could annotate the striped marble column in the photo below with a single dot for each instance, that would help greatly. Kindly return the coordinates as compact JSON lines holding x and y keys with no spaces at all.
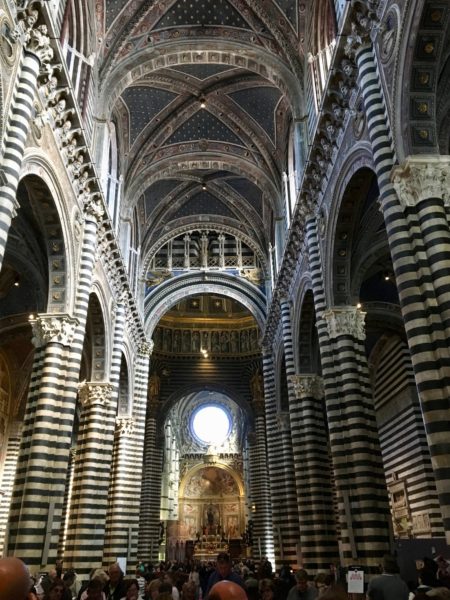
{"x":92,"y":472}
{"x":123,"y":429}
{"x":36,"y":507}
{"x":35,"y":52}
{"x":358,"y":469}
{"x":125,"y":490}
{"x":149,"y":520}
{"x":260,"y":490}
{"x":312,"y":461}
{"x":282,"y":490}
{"x":422,"y":184}
{"x":421,"y":283}
{"x":362,"y":511}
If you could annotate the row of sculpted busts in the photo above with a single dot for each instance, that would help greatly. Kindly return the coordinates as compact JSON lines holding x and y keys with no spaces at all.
{"x":188,"y":341}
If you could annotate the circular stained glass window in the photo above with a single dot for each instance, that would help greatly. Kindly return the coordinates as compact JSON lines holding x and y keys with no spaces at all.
{"x":211,"y":424}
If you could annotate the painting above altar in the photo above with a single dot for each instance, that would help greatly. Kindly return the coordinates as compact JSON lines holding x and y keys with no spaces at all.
{"x":211,"y":481}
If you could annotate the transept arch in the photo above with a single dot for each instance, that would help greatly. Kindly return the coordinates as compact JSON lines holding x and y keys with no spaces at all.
{"x":236,"y":54}
{"x":170,"y":292}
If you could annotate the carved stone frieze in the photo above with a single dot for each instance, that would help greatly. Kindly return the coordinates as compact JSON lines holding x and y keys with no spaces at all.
{"x":54,"y":328}
{"x":345,"y":321}
{"x":95,"y":393}
{"x":307,"y":386}
{"x":422,"y":177}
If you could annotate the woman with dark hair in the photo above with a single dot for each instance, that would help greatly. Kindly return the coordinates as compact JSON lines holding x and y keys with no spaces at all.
{"x":132,"y":587}
{"x":55,"y":591}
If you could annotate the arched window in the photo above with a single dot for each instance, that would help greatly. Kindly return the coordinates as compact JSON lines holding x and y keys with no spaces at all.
{"x":321,"y":46}
{"x":113,"y":179}
{"x":78,"y":43}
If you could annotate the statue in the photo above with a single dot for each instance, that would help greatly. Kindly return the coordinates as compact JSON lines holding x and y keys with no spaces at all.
{"x":154,"y":385}
{"x":257,"y":386}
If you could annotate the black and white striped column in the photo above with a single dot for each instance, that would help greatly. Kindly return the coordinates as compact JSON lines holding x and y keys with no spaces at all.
{"x":35,"y":52}
{"x":363,"y":510}
{"x":260,"y":491}
{"x":92,"y":473}
{"x":312,"y":461}
{"x":418,"y":241}
{"x":36,"y":507}
{"x":422,"y":184}
{"x":149,"y":521}
{"x":281,"y":475}
{"x":116,"y":533}
{"x":358,"y":469}
{"x":125,"y":491}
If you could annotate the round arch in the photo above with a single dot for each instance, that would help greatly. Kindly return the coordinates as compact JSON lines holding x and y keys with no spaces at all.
{"x":37,"y":168}
{"x":360,"y":159}
{"x":173,"y":290}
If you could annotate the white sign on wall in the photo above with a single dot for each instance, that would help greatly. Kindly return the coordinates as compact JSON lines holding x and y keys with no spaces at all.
{"x":355,"y":581}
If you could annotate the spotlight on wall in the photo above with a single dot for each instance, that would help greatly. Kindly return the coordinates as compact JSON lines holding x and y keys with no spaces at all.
{"x":17,"y":280}
{"x":202,"y":102}
{"x":203,"y":186}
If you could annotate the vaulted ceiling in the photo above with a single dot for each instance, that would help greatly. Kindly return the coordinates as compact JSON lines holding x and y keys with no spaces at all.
{"x":202,"y":93}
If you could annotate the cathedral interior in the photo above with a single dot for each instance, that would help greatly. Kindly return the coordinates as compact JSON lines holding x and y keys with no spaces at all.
{"x":225,"y":280}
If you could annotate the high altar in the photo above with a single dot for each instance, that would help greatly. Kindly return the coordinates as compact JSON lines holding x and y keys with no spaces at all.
{"x":211,"y":511}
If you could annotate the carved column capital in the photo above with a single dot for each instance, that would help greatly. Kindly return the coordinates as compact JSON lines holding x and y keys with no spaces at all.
{"x":126,"y":426}
{"x":95,"y":393}
{"x":93,"y":208}
{"x":422,"y":177}
{"x":307,"y":386}
{"x":57,"y":328}
{"x":364,"y":22}
{"x":348,"y":320}
{"x":146,"y":348}
{"x":38,"y":43}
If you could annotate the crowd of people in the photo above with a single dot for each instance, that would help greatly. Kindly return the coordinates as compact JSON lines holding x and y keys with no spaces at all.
{"x":221,"y":580}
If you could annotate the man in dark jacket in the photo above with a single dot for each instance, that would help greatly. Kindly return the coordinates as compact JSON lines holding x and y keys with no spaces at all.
{"x":223,"y":571}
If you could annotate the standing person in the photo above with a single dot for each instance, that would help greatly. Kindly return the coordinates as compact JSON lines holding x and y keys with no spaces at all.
{"x":132,"y":590}
{"x":388,"y":585}
{"x":115,"y":589}
{"x":302,"y":590}
{"x":223,"y":571}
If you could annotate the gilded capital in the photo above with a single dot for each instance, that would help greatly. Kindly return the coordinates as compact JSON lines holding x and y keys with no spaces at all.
{"x":422,"y":177}
{"x":307,"y":386}
{"x":345,"y":321}
{"x":95,"y":393}
{"x":56,"y":328}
